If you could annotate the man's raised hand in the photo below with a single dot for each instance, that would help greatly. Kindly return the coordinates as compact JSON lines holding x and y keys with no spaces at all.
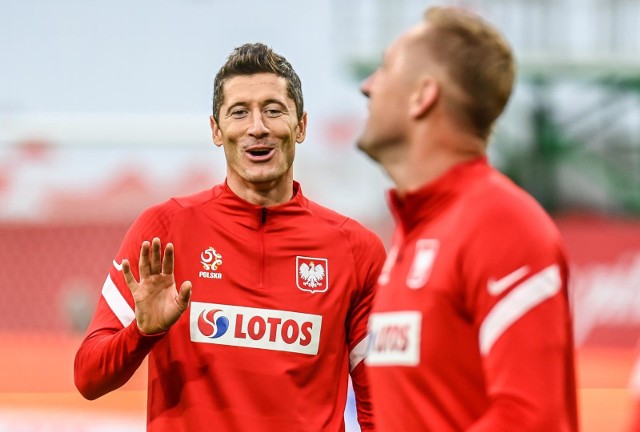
{"x":158,"y":304}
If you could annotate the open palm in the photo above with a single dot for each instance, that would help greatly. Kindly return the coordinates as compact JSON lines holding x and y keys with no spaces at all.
{"x":158,"y":304}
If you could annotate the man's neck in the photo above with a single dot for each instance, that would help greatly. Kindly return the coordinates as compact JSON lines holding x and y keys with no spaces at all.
{"x":427,"y":159}
{"x":266,"y":194}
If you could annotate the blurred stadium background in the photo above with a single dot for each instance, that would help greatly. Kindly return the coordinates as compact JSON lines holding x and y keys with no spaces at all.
{"x":103,"y":111}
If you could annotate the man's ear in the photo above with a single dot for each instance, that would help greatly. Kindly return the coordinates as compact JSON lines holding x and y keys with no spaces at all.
{"x":216,"y":133}
{"x":424,"y":97}
{"x":301,"y":128}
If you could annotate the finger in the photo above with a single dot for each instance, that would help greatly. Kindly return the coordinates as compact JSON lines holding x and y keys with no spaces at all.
{"x":167,"y":262}
{"x":131,"y":281}
{"x":184,"y":295}
{"x":143,"y":263}
{"x":156,"y":260}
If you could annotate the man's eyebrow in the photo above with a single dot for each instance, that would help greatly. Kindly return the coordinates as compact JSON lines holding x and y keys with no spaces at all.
{"x":235,"y":105}
{"x":275,"y":101}
{"x":265,"y":102}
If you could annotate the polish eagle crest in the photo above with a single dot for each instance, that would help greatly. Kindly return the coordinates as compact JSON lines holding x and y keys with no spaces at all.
{"x":312,"y":273}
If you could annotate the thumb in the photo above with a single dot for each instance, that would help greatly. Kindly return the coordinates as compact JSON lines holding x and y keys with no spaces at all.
{"x":184,"y":295}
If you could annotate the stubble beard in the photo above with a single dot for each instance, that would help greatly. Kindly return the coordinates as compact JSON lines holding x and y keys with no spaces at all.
{"x":368,"y":147}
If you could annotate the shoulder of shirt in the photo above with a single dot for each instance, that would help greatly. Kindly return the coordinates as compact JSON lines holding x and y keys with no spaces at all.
{"x":499,"y":191}
{"x":329,"y":216}
{"x":496,"y":197}
{"x":175,"y":205}
{"x":341,"y":222}
{"x":198,"y":198}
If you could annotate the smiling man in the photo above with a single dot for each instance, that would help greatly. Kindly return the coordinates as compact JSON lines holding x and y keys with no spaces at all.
{"x":275,"y":291}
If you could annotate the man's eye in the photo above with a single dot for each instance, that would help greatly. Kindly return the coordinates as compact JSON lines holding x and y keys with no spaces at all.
{"x":238,"y":113}
{"x":273,"y":112}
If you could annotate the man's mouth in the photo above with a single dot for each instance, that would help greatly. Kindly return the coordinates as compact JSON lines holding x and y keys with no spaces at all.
{"x":260,"y":154}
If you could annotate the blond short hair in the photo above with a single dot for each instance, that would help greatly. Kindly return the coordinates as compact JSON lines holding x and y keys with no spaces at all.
{"x":477,"y":60}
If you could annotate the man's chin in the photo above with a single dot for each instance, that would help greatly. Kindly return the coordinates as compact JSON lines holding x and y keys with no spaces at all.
{"x":366,"y":147}
{"x":264,"y":177}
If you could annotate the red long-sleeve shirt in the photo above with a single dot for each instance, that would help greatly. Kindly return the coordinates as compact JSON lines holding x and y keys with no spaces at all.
{"x":470,"y":329}
{"x":277,"y":320}
{"x":634,"y":386}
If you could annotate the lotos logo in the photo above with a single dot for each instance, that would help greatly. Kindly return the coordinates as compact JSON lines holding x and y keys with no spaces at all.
{"x":211,"y":327}
{"x":394,"y":338}
{"x":248,"y":327}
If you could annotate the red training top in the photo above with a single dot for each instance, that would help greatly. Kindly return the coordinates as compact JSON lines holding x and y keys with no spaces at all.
{"x":470,"y":329}
{"x":277,"y":321}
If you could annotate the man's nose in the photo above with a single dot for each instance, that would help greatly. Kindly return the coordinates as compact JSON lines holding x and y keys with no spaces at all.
{"x":258,"y":127}
{"x":366,"y":86}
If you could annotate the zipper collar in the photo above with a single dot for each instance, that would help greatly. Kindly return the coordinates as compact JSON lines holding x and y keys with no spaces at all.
{"x":246,"y":211}
{"x":423,"y":204}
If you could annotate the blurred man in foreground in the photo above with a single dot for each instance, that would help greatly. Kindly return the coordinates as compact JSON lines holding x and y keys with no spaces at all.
{"x":275,"y":290}
{"x":470,"y":329}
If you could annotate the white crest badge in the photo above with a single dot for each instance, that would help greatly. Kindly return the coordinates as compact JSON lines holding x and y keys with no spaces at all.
{"x":210,"y":260}
{"x":423,"y":258}
{"x":312,"y":274}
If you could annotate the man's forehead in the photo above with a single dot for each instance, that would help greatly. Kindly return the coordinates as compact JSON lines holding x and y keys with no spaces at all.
{"x":409,"y":47}
{"x":261,"y":86}
{"x":413,"y":36}
{"x":402,"y":42}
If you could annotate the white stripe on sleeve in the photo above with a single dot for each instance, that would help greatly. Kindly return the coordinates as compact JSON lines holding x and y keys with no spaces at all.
{"x":517,"y":303}
{"x":117,"y":303}
{"x":358,"y":353}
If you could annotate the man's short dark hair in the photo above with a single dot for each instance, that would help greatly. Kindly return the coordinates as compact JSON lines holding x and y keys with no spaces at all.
{"x":255,"y":58}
